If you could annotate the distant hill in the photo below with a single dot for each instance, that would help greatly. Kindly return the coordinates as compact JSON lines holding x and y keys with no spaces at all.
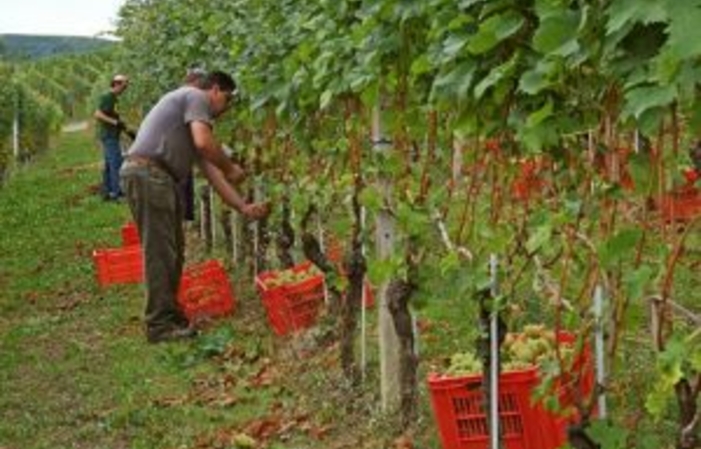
{"x":28,"y":46}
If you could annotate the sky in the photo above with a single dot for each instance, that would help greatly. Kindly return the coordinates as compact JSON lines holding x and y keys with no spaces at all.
{"x":58,"y":17}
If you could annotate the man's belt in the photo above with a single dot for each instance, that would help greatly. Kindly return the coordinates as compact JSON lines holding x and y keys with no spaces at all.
{"x":142,"y":161}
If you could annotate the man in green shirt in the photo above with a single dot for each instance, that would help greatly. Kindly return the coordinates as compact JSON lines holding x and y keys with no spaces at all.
{"x":110,"y":126}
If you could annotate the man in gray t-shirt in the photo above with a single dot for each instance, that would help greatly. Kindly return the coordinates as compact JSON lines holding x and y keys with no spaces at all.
{"x":176,"y":134}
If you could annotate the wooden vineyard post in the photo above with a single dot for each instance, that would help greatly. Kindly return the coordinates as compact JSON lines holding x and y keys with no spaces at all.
{"x":385,"y":238}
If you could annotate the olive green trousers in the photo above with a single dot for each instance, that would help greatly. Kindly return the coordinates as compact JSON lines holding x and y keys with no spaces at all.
{"x":156,"y":206}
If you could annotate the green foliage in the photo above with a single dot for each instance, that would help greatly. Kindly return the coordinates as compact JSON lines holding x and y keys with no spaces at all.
{"x":684,"y":33}
{"x":670,"y":365}
{"x":39,"y":95}
{"x":7,"y":100}
{"x":481,"y":47}
{"x":638,"y":281}
{"x":67,"y":80}
{"x":38,"y":119}
{"x":557,"y":32}
{"x":619,"y":247}
{"x":609,"y":436}
{"x":539,"y":76}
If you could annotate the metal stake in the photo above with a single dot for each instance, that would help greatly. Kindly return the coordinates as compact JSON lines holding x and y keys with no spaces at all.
{"x":494,"y":350}
{"x":599,"y":346}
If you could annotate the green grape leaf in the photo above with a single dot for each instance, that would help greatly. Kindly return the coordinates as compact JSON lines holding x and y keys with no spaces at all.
{"x":493,"y":31}
{"x":636,"y":280}
{"x":536,"y":138}
{"x":537,"y":117}
{"x":495,"y":75}
{"x":325,"y":99}
{"x":557,"y":34}
{"x":533,"y":81}
{"x":464,"y":4}
{"x":382,"y":270}
{"x":624,"y":12}
{"x":453,"y":44}
{"x":371,"y":198}
{"x":421,"y":65}
{"x":608,"y":435}
{"x":641,"y":99}
{"x":695,"y":358}
{"x":411,"y":220}
{"x":671,"y":359}
{"x":667,"y":65}
{"x":457,"y":82}
{"x":684,"y":30}
{"x":618,"y":247}
{"x":640,"y":170}
{"x":650,"y":121}
{"x":449,"y":262}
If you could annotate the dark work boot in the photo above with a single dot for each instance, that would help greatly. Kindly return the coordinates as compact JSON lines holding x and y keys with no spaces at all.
{"x":174,"y":333}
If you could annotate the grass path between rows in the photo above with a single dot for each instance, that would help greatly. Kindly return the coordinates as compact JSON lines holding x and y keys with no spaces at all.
{"x":75,"y":370}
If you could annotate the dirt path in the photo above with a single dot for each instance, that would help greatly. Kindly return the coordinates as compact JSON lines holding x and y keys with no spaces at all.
{"x":75,"y":126}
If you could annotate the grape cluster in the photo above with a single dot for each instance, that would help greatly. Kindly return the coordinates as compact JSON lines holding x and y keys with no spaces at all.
{"x":463,"y":364}
{"x":291,"y":276}
{"x":535,"y":346}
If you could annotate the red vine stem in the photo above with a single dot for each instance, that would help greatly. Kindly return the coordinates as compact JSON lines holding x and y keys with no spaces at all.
{"x":430,"y":154}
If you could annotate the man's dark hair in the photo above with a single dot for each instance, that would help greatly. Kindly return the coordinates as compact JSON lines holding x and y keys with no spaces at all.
{"x":221,"y":79}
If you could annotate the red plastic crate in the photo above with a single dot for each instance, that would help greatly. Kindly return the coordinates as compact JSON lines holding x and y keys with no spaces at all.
{"x":130,"y":234}
{"x":460,"y":410}
{"x":119,"y":265}
{"x":691,"y":175}
{"x":205,"y":291}
{"x":683,"y":207}
{"x":291,"y":307}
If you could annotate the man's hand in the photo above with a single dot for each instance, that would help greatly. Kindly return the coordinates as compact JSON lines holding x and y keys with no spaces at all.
{"x":122,"y":128}
{"x":224,"y":186}
{"x":256,"y":211}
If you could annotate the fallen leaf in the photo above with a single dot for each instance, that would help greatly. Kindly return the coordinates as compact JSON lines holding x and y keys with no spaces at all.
{"x":243,"y":441}
{"x":319,"y":432}
{"x":169,"y":402}
{"x":263,"y":429}
{"x":264,"y":377}
{"x":424,"y":325}
{"x":403,"y":442}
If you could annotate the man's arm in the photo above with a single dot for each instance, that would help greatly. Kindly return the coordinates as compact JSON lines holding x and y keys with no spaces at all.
{"x":101,"y":116}
{"x":228,"y":192}
{"x":211,"y":151}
